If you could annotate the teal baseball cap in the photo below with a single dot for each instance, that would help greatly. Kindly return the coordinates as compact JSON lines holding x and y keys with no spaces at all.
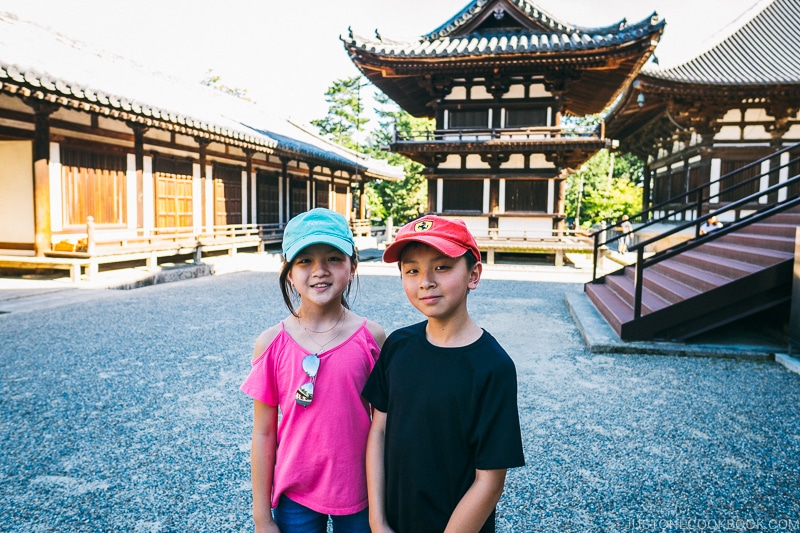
{"x":317,"y":226}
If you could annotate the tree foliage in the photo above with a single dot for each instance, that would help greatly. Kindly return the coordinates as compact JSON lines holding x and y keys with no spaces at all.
{"x":607,"y":186}
{"x":345,"y":123}
{"x":346,"y":119}
{"x":407,"y":199}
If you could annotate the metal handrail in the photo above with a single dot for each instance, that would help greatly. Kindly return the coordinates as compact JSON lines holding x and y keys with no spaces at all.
{"x":767,"y":211}
{"x":644,"y":215}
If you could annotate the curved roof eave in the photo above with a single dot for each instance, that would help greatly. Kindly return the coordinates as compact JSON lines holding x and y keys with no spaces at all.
{"x":534,"y":14}
{"x":498,"y":45}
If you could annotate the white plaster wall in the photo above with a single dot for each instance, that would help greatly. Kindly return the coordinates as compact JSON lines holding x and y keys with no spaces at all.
{"x":755,"y":133}
{"x":474,"y":161}
{"x":148,"y":194}
{"x":728,"y":133}
{"x":56,"y":192}
{"x":112,"y":125}
{"x":733,"y":115}
{"x":452,"y":161}
{"x":515,"y":161}
{"x":479,"y":92}
{"x":540,"y":161}
{"x":457,"y":93}
{"x":16,"y":182}
{"x":757,"y":115}
{"x":478,"y":226}
{"x":537,"y":90}
{"x":130,"y":191}
{"x":515,"y":91}
{"x":197,"y":199}
{"x":209,"y":214}
{"x":538,"y":225}
{"x":244,"y":197}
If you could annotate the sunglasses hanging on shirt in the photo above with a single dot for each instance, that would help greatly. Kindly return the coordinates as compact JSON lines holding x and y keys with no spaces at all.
{"x":305,"y":394}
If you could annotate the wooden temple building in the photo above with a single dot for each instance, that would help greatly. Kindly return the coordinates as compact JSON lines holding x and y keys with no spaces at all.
{"x":499,"y":78}
{"x":720,"y":136}
{"x":727,"y":106}
{"x":101,"y":161}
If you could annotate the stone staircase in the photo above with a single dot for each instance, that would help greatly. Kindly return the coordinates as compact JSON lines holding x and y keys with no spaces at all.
{"x":728,"y":278}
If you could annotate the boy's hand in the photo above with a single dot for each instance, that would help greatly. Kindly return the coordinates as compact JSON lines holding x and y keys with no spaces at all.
{"x":380,"y":528}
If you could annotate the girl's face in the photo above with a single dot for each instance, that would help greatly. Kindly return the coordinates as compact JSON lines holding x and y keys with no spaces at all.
{"x":320,"y":274}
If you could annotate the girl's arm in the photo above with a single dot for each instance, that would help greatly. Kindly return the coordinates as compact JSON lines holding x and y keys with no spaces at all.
{"x":477,"y":504}
{"x":376,"y":482}
{"x":262,"y":464}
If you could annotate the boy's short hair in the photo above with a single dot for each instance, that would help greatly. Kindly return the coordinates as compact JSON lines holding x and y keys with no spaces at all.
{"x":450,"y":236}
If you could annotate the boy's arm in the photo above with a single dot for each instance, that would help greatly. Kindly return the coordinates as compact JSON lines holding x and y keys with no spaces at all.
{"x":478,"y":503}
{"x":262,"y":464}
{"x":376,"y":482}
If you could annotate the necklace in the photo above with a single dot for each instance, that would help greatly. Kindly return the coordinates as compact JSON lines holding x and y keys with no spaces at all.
{"x":323,"y":345}
{"x":323,"y":331}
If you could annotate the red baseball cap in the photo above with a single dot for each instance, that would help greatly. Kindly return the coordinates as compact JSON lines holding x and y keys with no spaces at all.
{"x":449,"y":236}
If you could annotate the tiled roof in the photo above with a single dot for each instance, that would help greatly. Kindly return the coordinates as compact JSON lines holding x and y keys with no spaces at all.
{"x":530,"y":31}
{"x":507,"y":43}
{"x":534,"y":14}
{"x":41,"y":64}
{"x":762,"y":47}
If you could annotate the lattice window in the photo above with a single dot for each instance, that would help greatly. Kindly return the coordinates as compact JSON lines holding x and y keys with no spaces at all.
{"x":173,"y":191}
{"x":227,"y":195}
{"x":267,"y":198}
{"x":462,"y":195}
{"x":526,"y":196}
{"x":742,"y":191}
{"x":299,"y":200}
{"x":521,"y":118}
{"x":469,"y":119}
{"x":93,"y":184}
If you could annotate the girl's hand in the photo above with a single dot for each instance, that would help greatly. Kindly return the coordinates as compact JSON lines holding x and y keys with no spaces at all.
{"x":269,"y":527}
{"x":382,"y":528}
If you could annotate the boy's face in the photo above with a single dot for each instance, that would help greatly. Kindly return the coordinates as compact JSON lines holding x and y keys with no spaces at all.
{"x":437,"y":284}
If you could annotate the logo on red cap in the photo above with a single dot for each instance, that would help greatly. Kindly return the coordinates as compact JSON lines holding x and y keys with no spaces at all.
{"x":423,"y":225}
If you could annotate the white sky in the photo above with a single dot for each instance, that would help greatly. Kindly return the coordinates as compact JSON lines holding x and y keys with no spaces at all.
{"x":286,"y":53}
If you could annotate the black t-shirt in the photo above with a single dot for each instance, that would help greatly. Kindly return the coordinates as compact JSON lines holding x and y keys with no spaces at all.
{"x":449,"y":411}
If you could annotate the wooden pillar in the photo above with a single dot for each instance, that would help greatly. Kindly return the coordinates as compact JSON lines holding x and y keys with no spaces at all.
{"x":287,"y":180}
{"x":494,"y":195}
{"x":251,"y":193}
{"x":312,"y":185}
{"x":560,"y":206}
{"x":138,"y":151}
{"x":202,"y":151}
{"x":646,"y":192}
{"x":432,"y":194}
{"x":41,"y":176}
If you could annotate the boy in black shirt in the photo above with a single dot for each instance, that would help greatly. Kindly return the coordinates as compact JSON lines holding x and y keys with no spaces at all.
{"x":444,"y":394}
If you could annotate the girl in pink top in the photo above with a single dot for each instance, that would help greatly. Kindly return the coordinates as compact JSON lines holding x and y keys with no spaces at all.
{"x":308,"y":371}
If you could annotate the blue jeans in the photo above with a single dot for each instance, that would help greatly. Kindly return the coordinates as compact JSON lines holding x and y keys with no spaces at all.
{"x":292,"y":517}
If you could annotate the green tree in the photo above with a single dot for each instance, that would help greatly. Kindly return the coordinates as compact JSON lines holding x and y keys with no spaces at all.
{"x":607,"y":186}
{"x":345,"y":123}
{"x":402,"y":200}
{"x":345,"y":120}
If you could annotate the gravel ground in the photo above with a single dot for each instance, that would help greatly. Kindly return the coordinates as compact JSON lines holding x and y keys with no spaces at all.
{"x":123,"y":414}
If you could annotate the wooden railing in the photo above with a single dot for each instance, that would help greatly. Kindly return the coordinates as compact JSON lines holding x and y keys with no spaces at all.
{"x":101,"y":246}
{"x":509,"y":134}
